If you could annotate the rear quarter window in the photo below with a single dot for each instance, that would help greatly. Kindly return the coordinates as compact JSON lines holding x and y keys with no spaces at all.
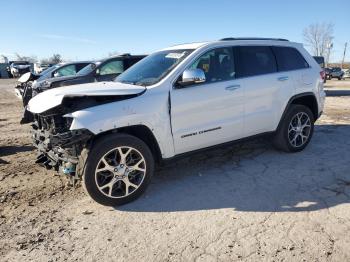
{"x":80,"y":66}
{"x":289,"y":58}
{"x":130,"y":62}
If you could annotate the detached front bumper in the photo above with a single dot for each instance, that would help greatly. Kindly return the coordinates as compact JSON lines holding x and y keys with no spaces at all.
{"x":57,"y":149}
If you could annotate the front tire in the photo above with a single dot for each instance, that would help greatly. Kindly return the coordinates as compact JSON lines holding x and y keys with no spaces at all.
{"x":295,"y":130}
{"x":118,"y":169}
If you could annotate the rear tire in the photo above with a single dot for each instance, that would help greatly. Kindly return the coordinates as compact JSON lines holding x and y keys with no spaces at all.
{"x":118,"y":169}
{"x":295,"y":130}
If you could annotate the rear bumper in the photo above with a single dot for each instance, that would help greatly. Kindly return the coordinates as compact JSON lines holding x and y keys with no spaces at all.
{"x":321,"y":98}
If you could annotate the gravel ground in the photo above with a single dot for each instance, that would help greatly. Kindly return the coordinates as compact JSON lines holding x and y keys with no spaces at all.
{"x":246,"y":202}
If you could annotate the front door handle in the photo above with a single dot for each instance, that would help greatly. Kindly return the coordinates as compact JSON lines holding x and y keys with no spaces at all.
{"x":283,"y":78}
{"x":232,"y":88}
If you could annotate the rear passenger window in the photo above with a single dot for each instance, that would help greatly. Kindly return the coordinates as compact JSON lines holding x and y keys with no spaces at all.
{"x":255,"y":60}
{"x":289,"y":58}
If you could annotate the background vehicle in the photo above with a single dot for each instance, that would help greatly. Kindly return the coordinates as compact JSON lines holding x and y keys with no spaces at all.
{"x":28,"y":80}
{"x":327,"y":72}
{"x":336,"y":72}
{"x":64,"y":70}
{"x":346,"y":73}
{"x":104,"y":70}
{"x":28,"y":83}
{"x":39,"y":67}
{"x":175,"y":101}
{"x":18,"y":68}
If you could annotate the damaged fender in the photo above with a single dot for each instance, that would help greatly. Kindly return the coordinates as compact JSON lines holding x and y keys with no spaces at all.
{"x":141,"y":110}
{"x":67,"y":118}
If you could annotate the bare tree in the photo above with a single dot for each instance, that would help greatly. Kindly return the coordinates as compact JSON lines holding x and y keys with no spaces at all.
{"x":56,"y":58}
{"x":319,"y":37}
{"x":31,"y":59}
{"x":45,"y":61}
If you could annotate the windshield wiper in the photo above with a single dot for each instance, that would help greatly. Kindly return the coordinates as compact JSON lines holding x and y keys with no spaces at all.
{"x":141,"y":83}
{"x":128,"y":82}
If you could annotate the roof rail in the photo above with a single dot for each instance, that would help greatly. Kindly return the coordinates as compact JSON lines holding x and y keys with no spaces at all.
{"x":251,"y":38}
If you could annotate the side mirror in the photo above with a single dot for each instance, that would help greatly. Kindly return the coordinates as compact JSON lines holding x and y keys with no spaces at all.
{"x":192,"y":76}
{"x":56,"y":74}
{"x":97,"y":72}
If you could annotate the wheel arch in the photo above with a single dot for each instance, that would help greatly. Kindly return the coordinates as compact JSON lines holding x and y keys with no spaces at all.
{"x":142,"y":132}
{"x":307,"y":99}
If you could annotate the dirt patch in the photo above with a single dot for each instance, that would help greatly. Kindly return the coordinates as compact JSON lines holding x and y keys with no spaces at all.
{"x":245,"y":202}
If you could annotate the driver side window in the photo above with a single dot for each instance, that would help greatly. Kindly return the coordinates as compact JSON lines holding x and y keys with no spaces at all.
{"x":217,"y":65}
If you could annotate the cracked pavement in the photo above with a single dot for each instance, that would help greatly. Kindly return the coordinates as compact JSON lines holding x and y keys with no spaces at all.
{"x":246,"y":202}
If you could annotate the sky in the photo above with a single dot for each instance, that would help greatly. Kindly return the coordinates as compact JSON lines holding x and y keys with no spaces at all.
{"x":81,"y":30}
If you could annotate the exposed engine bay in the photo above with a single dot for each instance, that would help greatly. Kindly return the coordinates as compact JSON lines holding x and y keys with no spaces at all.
{"x":59,"y":148}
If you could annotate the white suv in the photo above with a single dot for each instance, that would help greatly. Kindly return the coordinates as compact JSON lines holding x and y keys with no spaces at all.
{"x":179,"y":99}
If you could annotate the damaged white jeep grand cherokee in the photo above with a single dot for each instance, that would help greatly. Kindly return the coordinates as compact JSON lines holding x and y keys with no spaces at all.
{"x":177,"y":100}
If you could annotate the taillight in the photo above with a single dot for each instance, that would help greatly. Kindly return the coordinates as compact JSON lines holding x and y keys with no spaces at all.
{"x":323,"y":74}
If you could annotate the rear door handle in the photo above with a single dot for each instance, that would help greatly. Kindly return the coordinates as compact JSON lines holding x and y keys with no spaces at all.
{"x":232,"y":88}
{"x":283,"y":78}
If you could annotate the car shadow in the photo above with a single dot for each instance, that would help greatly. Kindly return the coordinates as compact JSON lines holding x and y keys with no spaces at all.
{"x":255,"y":177}
{"x":10,"y":150}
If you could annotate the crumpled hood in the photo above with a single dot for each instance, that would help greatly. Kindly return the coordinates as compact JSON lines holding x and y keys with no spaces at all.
{"x":53,"y":97}
{"x":24,"y":78}
{"x":27,"y":77}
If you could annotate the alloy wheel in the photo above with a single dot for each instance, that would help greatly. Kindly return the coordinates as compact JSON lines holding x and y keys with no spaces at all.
{"x":299,"y":129}
{"x":120,"y":172}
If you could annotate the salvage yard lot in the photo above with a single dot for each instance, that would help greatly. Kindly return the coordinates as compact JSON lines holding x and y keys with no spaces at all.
{"x":245,"y":202}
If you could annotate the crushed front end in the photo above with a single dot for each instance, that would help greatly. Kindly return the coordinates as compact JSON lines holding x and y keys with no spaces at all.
{"x":63,"y":146}
{"x":59,"y":148}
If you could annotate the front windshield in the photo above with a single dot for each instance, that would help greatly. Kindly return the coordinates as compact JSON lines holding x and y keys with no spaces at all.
{"x":87,"y":69}
{"x":47,"y":73}
{"x":153,"y":68}
{"x":49,"y":69}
